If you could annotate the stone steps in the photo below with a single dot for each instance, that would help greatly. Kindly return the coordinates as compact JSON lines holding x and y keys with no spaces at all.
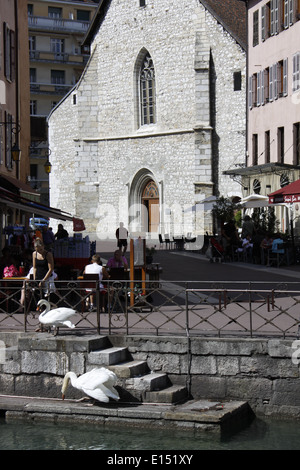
{"x":135,"y":380}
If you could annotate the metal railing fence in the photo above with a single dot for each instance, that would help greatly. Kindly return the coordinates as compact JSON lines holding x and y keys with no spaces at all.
{"x":216,"y":309}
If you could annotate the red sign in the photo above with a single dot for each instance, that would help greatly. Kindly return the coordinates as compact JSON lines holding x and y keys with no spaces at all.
{"x":78,"y":225}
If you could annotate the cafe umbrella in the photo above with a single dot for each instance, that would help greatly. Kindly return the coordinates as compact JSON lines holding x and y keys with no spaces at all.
{"x":289,"y":194}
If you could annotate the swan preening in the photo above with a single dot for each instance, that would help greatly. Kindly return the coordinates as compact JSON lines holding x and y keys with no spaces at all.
{"x":56,"y":317}
{"x":98,"y":384}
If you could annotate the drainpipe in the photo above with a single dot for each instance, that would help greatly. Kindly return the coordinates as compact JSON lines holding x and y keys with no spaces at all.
{"x":17,"y":117}
{"x":247,"y":81}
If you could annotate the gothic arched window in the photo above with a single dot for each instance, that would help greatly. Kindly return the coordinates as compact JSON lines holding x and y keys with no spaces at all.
{"x":147,"y":91}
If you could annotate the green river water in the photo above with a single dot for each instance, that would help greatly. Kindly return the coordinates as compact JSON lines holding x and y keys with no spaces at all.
{"x":261,"y":434}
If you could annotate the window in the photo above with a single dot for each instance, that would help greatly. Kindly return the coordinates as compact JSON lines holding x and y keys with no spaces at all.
{"x":256,"y":186}
{"x":32,"y":75}
{"x":142,"y":3}
{"x":30,"y":9}
{"x":57,"y":45}
{"x":265,"y":85}
{"x":147,"y":91}
{"x":288,"y":13}
{"x":296,"y":143}
{"x":32,"y":45}
{"x":255,"y":29}
{"x":83,"y":15}
{"x":57,"y":77}
{"x":296,"y":72}
{"x":237,"y":81}
{"x":254,"y":149}
{"x":274,"y":17}
{"x":33,"y":107}
{"x":54,"y":12}
{"x":281,"y":79}
{"x":9,"y":52}
{"x":267,"y":147}
{"x":266,"y":21}
{"x":280,"y":144}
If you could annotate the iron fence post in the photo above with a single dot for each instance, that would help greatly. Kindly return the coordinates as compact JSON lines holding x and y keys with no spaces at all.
{"x":189,"y":353}
{"x":250,"y":310}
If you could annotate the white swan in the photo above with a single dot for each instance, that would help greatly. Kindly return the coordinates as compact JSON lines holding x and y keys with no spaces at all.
{"x":98,"y":384}
{"x":56,"y":317}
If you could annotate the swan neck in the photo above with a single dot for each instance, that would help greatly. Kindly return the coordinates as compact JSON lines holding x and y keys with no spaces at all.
{"x":47,"y":305}
{"x":70,"y":376}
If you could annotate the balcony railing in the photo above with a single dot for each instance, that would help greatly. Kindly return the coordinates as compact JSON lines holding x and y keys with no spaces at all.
{"x":51,"y":88}
{"x":55,"y":24}
{"x":63,"y":57}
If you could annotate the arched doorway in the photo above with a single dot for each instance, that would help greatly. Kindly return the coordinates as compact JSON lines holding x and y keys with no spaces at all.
{"x":150,"y":204}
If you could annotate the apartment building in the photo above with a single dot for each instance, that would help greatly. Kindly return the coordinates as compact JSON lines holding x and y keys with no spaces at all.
{"x":14,"y":110}
{"x":273,"y":116}
{"x":56,"y":31}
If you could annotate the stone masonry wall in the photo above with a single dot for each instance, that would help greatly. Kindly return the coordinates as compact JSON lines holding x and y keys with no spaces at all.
{"x":97,"y":144}
{"x":260,"y":371}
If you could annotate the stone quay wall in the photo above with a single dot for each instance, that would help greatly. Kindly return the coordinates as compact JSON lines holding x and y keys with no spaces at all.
{"x":263,"y":372}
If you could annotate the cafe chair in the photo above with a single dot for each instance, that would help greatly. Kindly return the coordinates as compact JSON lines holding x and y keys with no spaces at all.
{"x":161,"y":242}
{"x":168,"y":242}
{"x":88,"y":285}
{"x":279,"y":257}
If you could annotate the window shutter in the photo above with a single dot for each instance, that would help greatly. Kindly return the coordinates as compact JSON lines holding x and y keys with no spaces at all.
{"x":276,"y":17}
{"x":262,"y":89}
{"x":286,"y":13}
{"x":271,"y":83}
{"x":296,"y":71}
{"x":272,"y":18}
{"x":250,"y":93}
{"x":285,"y":78}
{"x":266,"y":84}
{"x":258,"y":89}
{"x":291,"y":12}
{"x":263,"y":22}
{"x":275,"y":82}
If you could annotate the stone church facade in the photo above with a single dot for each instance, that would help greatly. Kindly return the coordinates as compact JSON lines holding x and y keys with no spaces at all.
{"x":157,"y":116}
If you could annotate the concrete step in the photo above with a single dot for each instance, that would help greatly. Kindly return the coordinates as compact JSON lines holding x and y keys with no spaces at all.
{"x":148,"y":382}
{"x":48,"y":342}
{"x":172,"y":394}
{"x":129,"y":369}
{"x":109,"y":356}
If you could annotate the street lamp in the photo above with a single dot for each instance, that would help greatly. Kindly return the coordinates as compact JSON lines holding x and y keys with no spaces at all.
{"x":48,"y":167}
{"x":15,"y":152}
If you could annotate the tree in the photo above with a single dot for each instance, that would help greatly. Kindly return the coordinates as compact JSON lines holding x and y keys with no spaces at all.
{"x":224,"y":209}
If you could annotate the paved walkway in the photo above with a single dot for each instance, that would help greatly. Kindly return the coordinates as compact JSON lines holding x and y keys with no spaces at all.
{"x":189,"y":266}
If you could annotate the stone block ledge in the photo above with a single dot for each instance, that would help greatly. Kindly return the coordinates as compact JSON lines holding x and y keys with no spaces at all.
{"x":193,"y":415}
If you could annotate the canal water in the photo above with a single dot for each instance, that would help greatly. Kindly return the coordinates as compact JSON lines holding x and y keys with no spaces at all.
{"x":261,"y":434}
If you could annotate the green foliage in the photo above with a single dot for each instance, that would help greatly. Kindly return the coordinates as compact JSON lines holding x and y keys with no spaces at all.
{"x":266,"y":219}
{"x":224,"y":209}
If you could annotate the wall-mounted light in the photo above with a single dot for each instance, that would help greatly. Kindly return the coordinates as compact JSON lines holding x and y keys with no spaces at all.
{"x":48,"y":167}
{"x":16,"y":152}
{"x":14,"y":128}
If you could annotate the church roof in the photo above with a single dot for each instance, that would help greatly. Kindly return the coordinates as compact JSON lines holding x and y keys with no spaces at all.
{"x":231,"y":14}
